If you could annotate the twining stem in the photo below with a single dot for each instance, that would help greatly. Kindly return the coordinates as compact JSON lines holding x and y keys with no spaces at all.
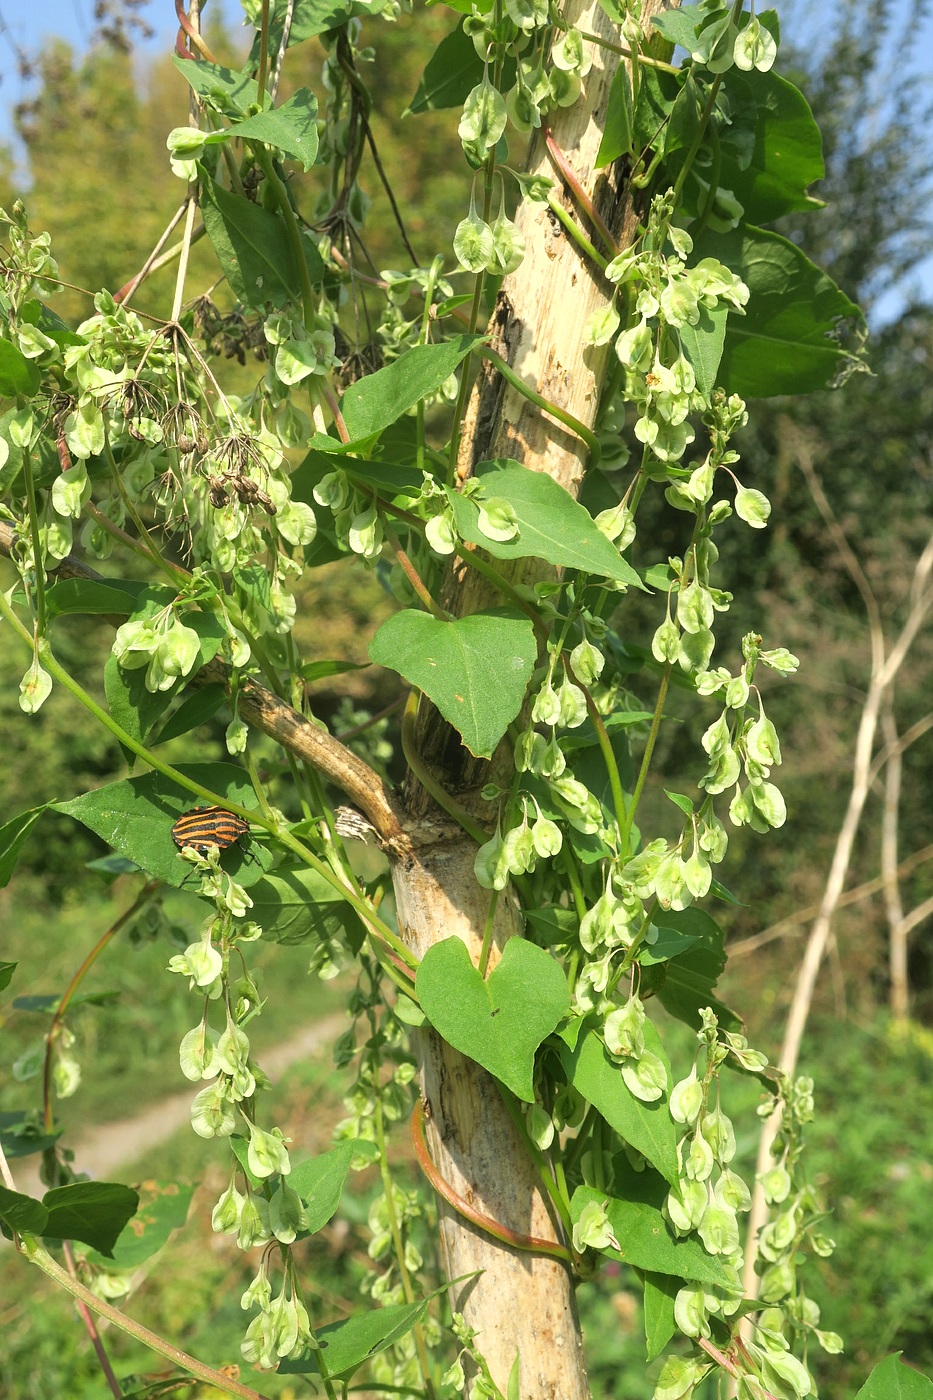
{"x":578,"y":236}
{"x":569,"y":177}
{"x":482,"y":566}
{"x":142,"y":898}
{"x":532,"y":395}
{"x":533,"y":1244}
{"x":466,"y":382}
{"x":544,"y":1174}
{"x":437,"y":267}
{"x":466,"y":377}
{"x":411,"y":573}
{"x":473,"y":560}
{"x":626,"y":829}
{"x":629,"y":53}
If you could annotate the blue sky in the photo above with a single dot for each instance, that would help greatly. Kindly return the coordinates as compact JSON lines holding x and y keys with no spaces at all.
{"x":31,"y":20}
{"x":25,"y":23}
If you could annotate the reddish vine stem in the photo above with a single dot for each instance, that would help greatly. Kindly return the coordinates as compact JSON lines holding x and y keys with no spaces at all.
{"x":192,"y":36}
{"x":568,"y":175}
{"x":411,"y":573}
{"x":723,"y":1359}
{"x":532,"y":1244}
{"x":90,"y":1326}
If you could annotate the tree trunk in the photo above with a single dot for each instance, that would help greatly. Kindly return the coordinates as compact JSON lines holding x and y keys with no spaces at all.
{"x":521,"y":1303}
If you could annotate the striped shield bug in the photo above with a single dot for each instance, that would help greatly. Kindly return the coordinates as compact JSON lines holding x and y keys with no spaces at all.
{"x":208,"y":826}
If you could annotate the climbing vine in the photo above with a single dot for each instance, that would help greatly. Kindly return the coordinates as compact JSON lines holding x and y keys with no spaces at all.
{"x":123,"y":447}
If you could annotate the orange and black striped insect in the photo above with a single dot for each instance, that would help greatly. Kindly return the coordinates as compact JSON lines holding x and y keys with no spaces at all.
{"x":208,"y":826}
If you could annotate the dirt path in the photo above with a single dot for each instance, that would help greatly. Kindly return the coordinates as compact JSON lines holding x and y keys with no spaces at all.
{"x":102,"y":1150}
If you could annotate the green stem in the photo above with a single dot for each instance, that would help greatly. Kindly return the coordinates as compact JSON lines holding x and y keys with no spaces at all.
{"x":279,"y":833}
{"x":626,"y":831}
{"x":532,"y":395}
{"x":39,"y":1256}
{"x":113,"y":529}
{"x":36,"y":548}
{"x":142,"y":898}
{"x":470,"y":557}
{"x":90,"y":1327}
{"x":569,"y":176}
{"x":578,"y":1146}
{"x":578,"y":236}
{"x":466,"y":378}
{"x":474,"y":560}
{"x":295,"y":239}
{"x":437,"y":267}
{"x":609,"y":758}
{"x":427,"y":779}
{"x":258,"y":788}
{"x":399,"y":1247}
{"x":629,"y":53}
{"x":532,"y":1243}
{"x":632,"y":952}
{"x":599,"y":1166}
{"x":487,"y":933}
{"x":714,"y":174}
{"x":466,"y":382}
{"x":411,"y":573}
{"x":697,"y":138}
{"x":173,"y":572}
{"x":573,"y":875}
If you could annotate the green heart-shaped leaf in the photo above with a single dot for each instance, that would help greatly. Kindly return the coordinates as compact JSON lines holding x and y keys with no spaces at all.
{"x":475,"y":670}
{"x":499,"y":1022}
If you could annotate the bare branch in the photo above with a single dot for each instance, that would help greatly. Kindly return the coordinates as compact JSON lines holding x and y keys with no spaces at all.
{"x":883,"y":672}
{"x":803,"y":916}
{"x":904,"y":741}
{"x":917,"y":916}
{"x":894,"y":909}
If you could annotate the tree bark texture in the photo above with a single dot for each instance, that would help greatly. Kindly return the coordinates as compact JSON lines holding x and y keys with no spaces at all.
{"x":521,"y":1303}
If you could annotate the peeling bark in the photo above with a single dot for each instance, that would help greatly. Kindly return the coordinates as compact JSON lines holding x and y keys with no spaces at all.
{"x":521,"y":1303}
